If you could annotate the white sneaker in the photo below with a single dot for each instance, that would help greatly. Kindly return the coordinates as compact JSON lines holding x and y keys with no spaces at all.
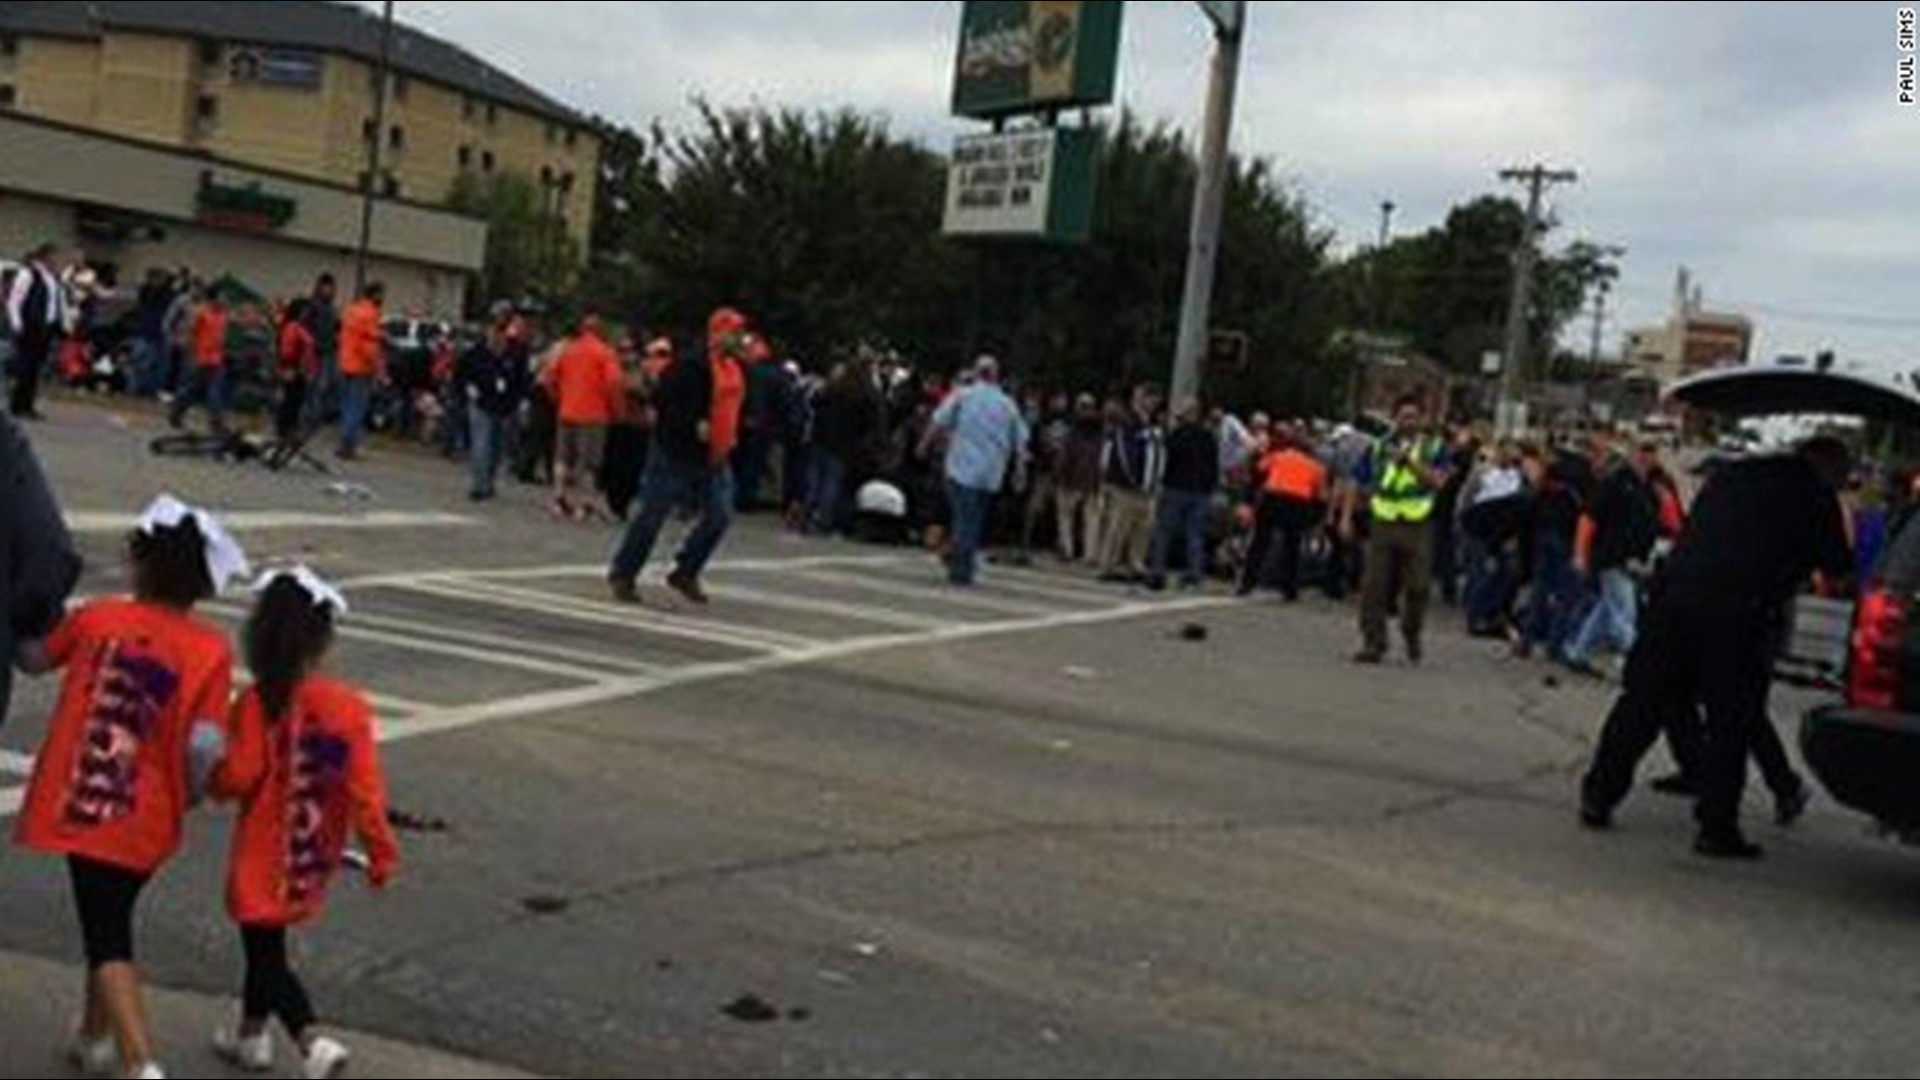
{"x":148,"y":1072}
{"x":93,"y":1057}
{"x":252,"y":1054}
{"x":326,"y":1059}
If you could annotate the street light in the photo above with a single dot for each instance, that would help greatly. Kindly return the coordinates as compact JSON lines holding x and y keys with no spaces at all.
{"x":1210,"y":196}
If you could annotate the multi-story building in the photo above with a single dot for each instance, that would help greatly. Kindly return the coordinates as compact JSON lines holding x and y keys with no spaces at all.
{"x":1692,"y":340}
{"x":266,"y":92}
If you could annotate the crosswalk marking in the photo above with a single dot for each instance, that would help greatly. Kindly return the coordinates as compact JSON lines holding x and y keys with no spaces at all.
{"x":930,"y":593}
{"x":413,"y":641}
{"x":910,"y":614}
{"x":779,"y":601}
{"x":651,"y":620}
{"x":256,"y":521}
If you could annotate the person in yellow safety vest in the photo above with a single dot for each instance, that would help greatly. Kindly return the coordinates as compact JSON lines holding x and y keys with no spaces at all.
{"x":1401,"y":478}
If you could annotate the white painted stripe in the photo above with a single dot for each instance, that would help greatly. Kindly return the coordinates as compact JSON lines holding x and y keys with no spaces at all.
{"x":514,"y":646}
{"x":779,"y":601}
{"x":644,"y":619}
{"x":598,"y":571}
{"x":10,"y":802}
{"x":12,"y":764}
{"x":584,"y":697}
{"x":932,"y":591}
{"x":1051,"y":586}
{"x":416,"y":640}
{"x":254,"y":521}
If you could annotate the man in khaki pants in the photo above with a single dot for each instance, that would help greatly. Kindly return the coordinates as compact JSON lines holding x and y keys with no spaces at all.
{"x":1401,"y":478}
{"x":1135,"y":462}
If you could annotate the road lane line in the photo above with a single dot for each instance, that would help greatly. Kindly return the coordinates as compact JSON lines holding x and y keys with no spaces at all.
{"x":416,"y":640}
{"x":606,"y":613}
{"x":459,"y":719}
{"x":16,"y":765}
{"x":268,"y":520}
{"x":598,"y":571}
{"x":931,"y":592}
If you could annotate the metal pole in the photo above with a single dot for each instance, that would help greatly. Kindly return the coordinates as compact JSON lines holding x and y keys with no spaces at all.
{"x":1209,"y":207}
{"x":374,"y":150}
{"x":1537,"y":178}
{"x":1599,"y":326}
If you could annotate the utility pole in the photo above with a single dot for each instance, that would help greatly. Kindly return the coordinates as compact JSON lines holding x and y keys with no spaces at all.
{"x":1538,"y":178}
{"x":374,"y":150}
{"x":1599,"y":325}
{"x":1386,"y":223}
{"x":1210,"y":198}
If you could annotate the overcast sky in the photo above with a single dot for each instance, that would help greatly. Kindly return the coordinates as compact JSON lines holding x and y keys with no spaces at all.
{"x":1760,"y":144}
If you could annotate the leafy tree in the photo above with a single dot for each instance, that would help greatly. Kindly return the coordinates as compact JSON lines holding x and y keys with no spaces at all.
{"x":529,"y":251}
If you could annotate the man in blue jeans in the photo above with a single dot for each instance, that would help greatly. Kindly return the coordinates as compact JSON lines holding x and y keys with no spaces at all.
{"x":1186,"y":498}
{"x":700,"y":403}
{"x":986,"y":435}
{"x":1617,"y":535}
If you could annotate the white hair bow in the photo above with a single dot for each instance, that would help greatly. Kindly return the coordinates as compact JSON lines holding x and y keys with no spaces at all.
{"x":226,"y":560}
{"x":324,"y":593}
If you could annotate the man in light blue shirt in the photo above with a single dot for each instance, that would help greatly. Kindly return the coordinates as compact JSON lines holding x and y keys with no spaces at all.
{"x":986,"y":436}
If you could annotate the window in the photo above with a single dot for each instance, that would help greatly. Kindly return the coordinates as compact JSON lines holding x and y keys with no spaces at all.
{"x":212,"y":53}
{"x":469,"y":109}
{"x":546,"y":176}
{"x":397,"y":137}
{"x":369,"y":131}
{"x":390,"y":185}
{"x":486,"y":161}
{"x":9,"y":44}
{"x":8,"y":96}
{"x":466,"y":158}
{"x":553,"y":134}
{"x":493,"y":114}
{"x":207,"y":110}
{"x":364,"y":182}
{"x":573,"y":138}
{"x":566,"y":183}
{"x":402,"y":86}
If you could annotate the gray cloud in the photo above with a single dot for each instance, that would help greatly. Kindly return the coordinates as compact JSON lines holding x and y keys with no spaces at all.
{"x":1758,"y":143}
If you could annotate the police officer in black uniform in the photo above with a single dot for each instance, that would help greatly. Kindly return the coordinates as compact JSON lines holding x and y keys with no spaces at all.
{"x":1760,"y":531}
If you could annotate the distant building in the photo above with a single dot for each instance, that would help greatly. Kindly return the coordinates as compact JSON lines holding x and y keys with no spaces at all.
{"x":1692,"y":340}
{"x":258,"y":118}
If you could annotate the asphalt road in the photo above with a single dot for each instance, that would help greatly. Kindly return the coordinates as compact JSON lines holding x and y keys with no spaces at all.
{"x":1029,"y":832}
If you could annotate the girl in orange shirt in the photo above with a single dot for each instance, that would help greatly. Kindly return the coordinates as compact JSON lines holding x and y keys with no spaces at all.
{"x":304,"y":769}
{"x":146,"y":692}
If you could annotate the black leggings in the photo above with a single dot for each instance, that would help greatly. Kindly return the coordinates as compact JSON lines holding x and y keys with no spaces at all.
{"x":105,"y":896}
{"x":273,"y":991}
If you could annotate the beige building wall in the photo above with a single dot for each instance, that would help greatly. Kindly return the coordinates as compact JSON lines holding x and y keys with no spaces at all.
{"x":58,"y":79}
{"x":26,"y":222}
{"x":146,"y":89}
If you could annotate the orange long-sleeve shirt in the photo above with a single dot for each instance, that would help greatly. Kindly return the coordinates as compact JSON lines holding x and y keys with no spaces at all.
{"x":362,"y":347}
{"x":304,"y":784}
{"x":111,"y":782}
{"x":587,"y":382}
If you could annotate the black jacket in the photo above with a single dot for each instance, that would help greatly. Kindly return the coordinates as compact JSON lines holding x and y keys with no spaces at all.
{"x":1626,"y":517}
{"x":36,"y":552}
{"x":685,"y":401}
{"x":1193,"y":460}
{"x":495,"y":381}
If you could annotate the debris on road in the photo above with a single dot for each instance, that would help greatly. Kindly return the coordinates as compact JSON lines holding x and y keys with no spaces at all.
{"x":543,"y":906}
{"x":751,"y":1009}
{"x":1194,"y":633}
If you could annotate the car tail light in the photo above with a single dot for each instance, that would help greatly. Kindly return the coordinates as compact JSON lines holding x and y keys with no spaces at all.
{"x":1879,"y":653}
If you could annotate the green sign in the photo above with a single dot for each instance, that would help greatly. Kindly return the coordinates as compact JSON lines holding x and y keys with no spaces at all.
{"x":1025,"y":57}
{"x":242,"y":209}
{"x":1035,"y":185}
